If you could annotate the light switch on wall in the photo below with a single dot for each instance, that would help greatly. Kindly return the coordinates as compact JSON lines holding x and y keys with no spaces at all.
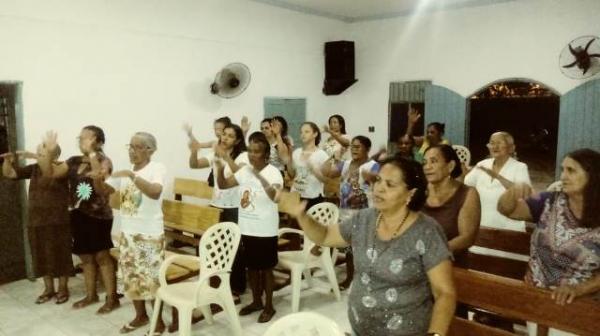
{"x":371,"y":129}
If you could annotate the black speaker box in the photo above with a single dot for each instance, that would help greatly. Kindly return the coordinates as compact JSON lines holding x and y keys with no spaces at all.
{"x":339,"y":67}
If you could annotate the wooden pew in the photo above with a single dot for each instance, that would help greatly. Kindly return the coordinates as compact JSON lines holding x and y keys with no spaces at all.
{"x":187,"y":222}
{"x":178,"y":271}
{"x":515,"y":299}
{"x":190,"y":187}
{"x":505,"y":241}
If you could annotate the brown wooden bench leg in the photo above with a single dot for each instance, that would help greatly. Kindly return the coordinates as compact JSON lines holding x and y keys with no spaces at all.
{"x":542,"y":330}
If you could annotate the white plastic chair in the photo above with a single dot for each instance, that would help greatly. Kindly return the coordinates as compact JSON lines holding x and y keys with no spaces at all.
{"x":217,"y":249}
{"x":463,"y":153}
{"x":301,"y":262}
{"x":304,"y":324}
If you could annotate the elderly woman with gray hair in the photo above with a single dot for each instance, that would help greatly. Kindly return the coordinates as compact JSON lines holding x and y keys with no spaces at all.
{"x":142,"y":241}
{"x":492,"y":176}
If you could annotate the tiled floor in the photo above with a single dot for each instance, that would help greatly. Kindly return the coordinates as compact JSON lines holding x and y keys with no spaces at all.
{"x":19,"y":315}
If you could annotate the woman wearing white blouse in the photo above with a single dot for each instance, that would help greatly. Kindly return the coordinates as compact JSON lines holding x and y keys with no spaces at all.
{"x":336,"y":145}
{"x":491,"y":177}
{"x":305,"y":163}
{"x":258,"y":220}
{"x":142,"y":239}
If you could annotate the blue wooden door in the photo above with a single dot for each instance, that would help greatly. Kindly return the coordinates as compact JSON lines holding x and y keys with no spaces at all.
{"x":579,"y":120}
{"x":292,"y":109}
{"x":447,"y":107}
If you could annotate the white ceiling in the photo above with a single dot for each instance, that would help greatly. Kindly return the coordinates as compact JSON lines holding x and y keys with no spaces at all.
{"x":362,"y":10}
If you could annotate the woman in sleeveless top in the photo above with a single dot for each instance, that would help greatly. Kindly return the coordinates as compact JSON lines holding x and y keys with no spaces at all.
{"x":452,"y":204}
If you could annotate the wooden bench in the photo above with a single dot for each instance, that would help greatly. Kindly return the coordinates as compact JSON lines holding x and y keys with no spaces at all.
{"x":187,"y":222}
{"x":514,"y":242}
{"x":190,"y":187}
{"x":514,"y":299}
{"x":178,"y":271}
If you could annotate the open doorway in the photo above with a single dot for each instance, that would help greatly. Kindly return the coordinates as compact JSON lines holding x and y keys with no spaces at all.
{"x":398,"y":122}
{"x":526,"y":109}
{"x":13,"y":258}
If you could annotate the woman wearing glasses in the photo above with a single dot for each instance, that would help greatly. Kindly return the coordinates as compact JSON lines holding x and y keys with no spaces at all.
{"x":142,"y":239}
{"x":91,"y":215}
{"x":492,"y":176}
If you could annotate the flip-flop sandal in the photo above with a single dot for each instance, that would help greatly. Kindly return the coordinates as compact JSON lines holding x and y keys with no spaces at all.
{"x":45,"y":298}
{"x":128,"y":327}
{"x":108,"y":308}
{"x":266,"y":316}
{"x":62,"y":298}
{"x":249,"y":309}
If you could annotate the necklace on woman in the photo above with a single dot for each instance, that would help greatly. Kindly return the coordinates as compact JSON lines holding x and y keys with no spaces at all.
{"x":397,"y":231}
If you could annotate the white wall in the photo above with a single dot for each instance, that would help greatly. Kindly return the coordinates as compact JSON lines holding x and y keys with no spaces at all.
{"x":464,"y":50}
{"x":146,"y":65}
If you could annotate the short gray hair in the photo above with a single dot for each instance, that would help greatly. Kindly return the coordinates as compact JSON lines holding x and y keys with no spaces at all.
{"x":149,"y":139}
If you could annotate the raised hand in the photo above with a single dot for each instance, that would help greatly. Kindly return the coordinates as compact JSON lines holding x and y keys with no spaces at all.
{"x":245,"y":125}
{"x":413,"y":115}
{"x":326,"y":129}
{"x":187,"y":128}
{"x":50,"y":141}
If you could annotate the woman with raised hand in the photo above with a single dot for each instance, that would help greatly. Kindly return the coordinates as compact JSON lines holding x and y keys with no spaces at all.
{"x":434,"y":134}
{"x":281,"y":144}
{"x":305,"y":163}
{"x":492,"y":176}
{"x":232,"y":150}
{"x":355,"y":190}
{"x":258,"y":220}
{"x":403,"y":281}
{"x":48,"y":226}
{"x":452,"y":204}
{"x":565,"y":244}
{"x":142,"y":239}
{"x":336,"y":145}
{"x":91,"y":215}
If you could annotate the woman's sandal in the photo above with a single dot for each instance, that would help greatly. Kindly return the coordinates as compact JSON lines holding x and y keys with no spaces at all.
{"x":45,"y":298}
{"x":128,"y":327}
{"x":108,"y":307}
{"x":61,"y":298}
{"x":266,"y":316}
{"x":249,"y":309}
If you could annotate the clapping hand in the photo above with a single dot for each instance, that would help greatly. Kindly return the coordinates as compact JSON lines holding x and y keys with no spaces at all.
{"x":221,"y":153}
